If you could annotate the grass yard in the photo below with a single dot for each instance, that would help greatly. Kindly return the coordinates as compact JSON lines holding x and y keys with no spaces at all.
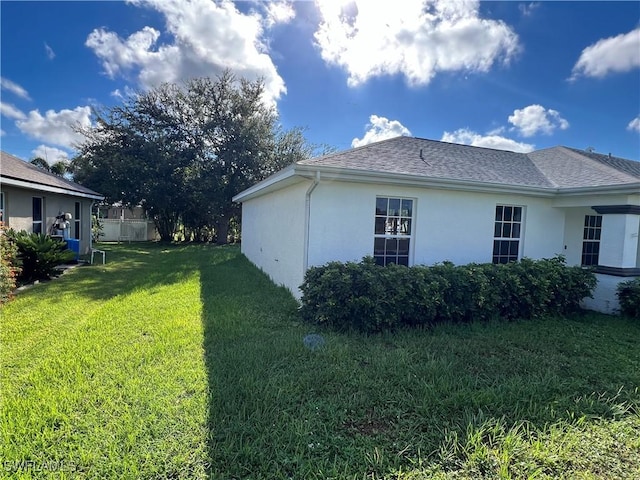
{"x":185,"y":362}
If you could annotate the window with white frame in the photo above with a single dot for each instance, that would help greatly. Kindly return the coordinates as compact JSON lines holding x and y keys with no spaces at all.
{"x":76,"y":221}
{"x":506,"y":233}
{"x":2,"y":207}
{"x":392,"y":231}
{"x":591,"y":239}
{"x":36,"y":215}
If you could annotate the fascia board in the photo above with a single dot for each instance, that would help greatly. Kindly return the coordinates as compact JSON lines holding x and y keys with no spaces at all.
{"x":278,"y":180}
{"x":47,"y":188}
{"x":402,"y":179}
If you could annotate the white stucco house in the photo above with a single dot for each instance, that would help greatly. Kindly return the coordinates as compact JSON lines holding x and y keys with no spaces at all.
{"x":31,"y":199}
{"x":414,"y":201}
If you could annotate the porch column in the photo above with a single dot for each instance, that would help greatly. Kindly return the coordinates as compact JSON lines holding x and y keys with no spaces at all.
{"x":619,"y":248}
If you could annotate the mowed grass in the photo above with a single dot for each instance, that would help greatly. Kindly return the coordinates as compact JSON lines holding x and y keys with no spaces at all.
{"x":186,"y":362}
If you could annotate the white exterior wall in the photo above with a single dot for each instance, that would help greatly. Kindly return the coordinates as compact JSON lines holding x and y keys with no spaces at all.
{"x":619,"y":244}
{"x":273,"y":232}
{"x":605,"y":297}
{"x":448,"y":225}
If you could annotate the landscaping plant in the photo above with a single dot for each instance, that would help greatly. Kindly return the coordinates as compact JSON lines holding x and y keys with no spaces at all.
{"x":367,"y":297}
{"x":629,"y":297}
{"x":9,"y":266}
{"x":39,"y":254}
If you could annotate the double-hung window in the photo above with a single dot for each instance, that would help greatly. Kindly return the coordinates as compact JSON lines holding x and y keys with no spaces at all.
{"x":591,"y":239}
{"x":36,"y":215}
{"x":506,"y":233}
{"x":393,"y":228}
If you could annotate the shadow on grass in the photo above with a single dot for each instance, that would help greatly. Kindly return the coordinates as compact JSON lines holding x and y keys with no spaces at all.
{"x":380,"y":404}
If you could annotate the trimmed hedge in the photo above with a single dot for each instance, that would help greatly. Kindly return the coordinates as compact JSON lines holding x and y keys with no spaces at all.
{"x":629,"y":297}
{"x":370,"y":298}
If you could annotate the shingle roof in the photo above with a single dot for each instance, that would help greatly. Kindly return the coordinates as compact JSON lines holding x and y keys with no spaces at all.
{"x":551,"y":168}
{"x":569,"y":167}
{"x":12,"y":167}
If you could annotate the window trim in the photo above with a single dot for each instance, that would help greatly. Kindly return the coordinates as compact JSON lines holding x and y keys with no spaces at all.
{"x":520,"y":238}
{"x":597,"y":231}
{"x":410,"y":236}
{"x":2,"y":208}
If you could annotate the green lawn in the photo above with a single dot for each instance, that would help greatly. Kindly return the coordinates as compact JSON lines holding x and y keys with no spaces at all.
{"x":186,"y":362}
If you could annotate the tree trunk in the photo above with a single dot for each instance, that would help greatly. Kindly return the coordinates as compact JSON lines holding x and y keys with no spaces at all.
{"x":222,"y":230}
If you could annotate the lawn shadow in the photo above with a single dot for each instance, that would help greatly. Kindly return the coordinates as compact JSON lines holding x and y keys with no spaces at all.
{"x":375,"y":404}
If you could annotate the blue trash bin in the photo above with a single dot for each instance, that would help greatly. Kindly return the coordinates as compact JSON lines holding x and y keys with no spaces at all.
{"x":74,"y":246}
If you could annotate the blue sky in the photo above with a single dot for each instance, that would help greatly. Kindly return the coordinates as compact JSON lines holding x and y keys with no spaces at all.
{"x":511,"y":75}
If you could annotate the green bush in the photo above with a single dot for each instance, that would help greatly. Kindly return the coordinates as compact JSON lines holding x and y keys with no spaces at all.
{"x":39,"y":254}
{"x":367,"y":297}
{"x":9,"y":266}
{"x":629,"y":297}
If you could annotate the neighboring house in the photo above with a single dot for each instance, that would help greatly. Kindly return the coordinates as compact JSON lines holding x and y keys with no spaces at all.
{"x":413,"y":201}
{"x":31,"y":199}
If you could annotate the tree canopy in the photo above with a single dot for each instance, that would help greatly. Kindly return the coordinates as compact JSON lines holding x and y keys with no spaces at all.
{"x":183,"y":151}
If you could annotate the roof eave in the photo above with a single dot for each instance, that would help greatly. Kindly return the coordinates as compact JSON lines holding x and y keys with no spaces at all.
{"x":268,"y":184}
{"x":403,"y":179}
{"x":48,"y":188}
{"x":631,"y":188}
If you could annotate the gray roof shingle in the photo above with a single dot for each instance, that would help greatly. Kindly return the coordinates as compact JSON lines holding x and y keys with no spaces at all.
{"x":571,"y":168}
{"x":12,"y":167}
{"x":557,"y":167}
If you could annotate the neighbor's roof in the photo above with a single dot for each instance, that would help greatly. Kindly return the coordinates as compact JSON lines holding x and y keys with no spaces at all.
{"x":17,"y":172}
{"x":428,"y":161}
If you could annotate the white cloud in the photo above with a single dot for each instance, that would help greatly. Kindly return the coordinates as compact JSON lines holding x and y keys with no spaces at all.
{"x":207,"y":38}
{"x":50,"y":154}
{"x":634,"y":125}
{"x":527,"y":9}
{"x":279,"y":12}
{"x":49,"y":51}
{"x":535,"y":118}
{"x":2,"y":133}
{"x":609,"y":55}
{"x":13,"y":87}
{"x":57,"y":127}
{"x":380,"y":128}
{"x":416,"y":38}
{"x":469,"y":137}
{"x":9,"y":111}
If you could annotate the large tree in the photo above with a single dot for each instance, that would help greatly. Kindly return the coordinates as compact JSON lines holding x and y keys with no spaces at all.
{"x":183,"y":152}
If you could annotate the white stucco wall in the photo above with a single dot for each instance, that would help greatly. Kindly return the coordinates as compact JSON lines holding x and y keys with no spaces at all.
{"x":273,"y":232}
{"x":18,"y":211}
{"x":619,"y":244}
{"x":604,"y":298}
{"x":448,"y":225}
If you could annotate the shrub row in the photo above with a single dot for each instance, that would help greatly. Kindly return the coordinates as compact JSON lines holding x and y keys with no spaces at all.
{"x":370,"y":298}
{"x":629,"y":297}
